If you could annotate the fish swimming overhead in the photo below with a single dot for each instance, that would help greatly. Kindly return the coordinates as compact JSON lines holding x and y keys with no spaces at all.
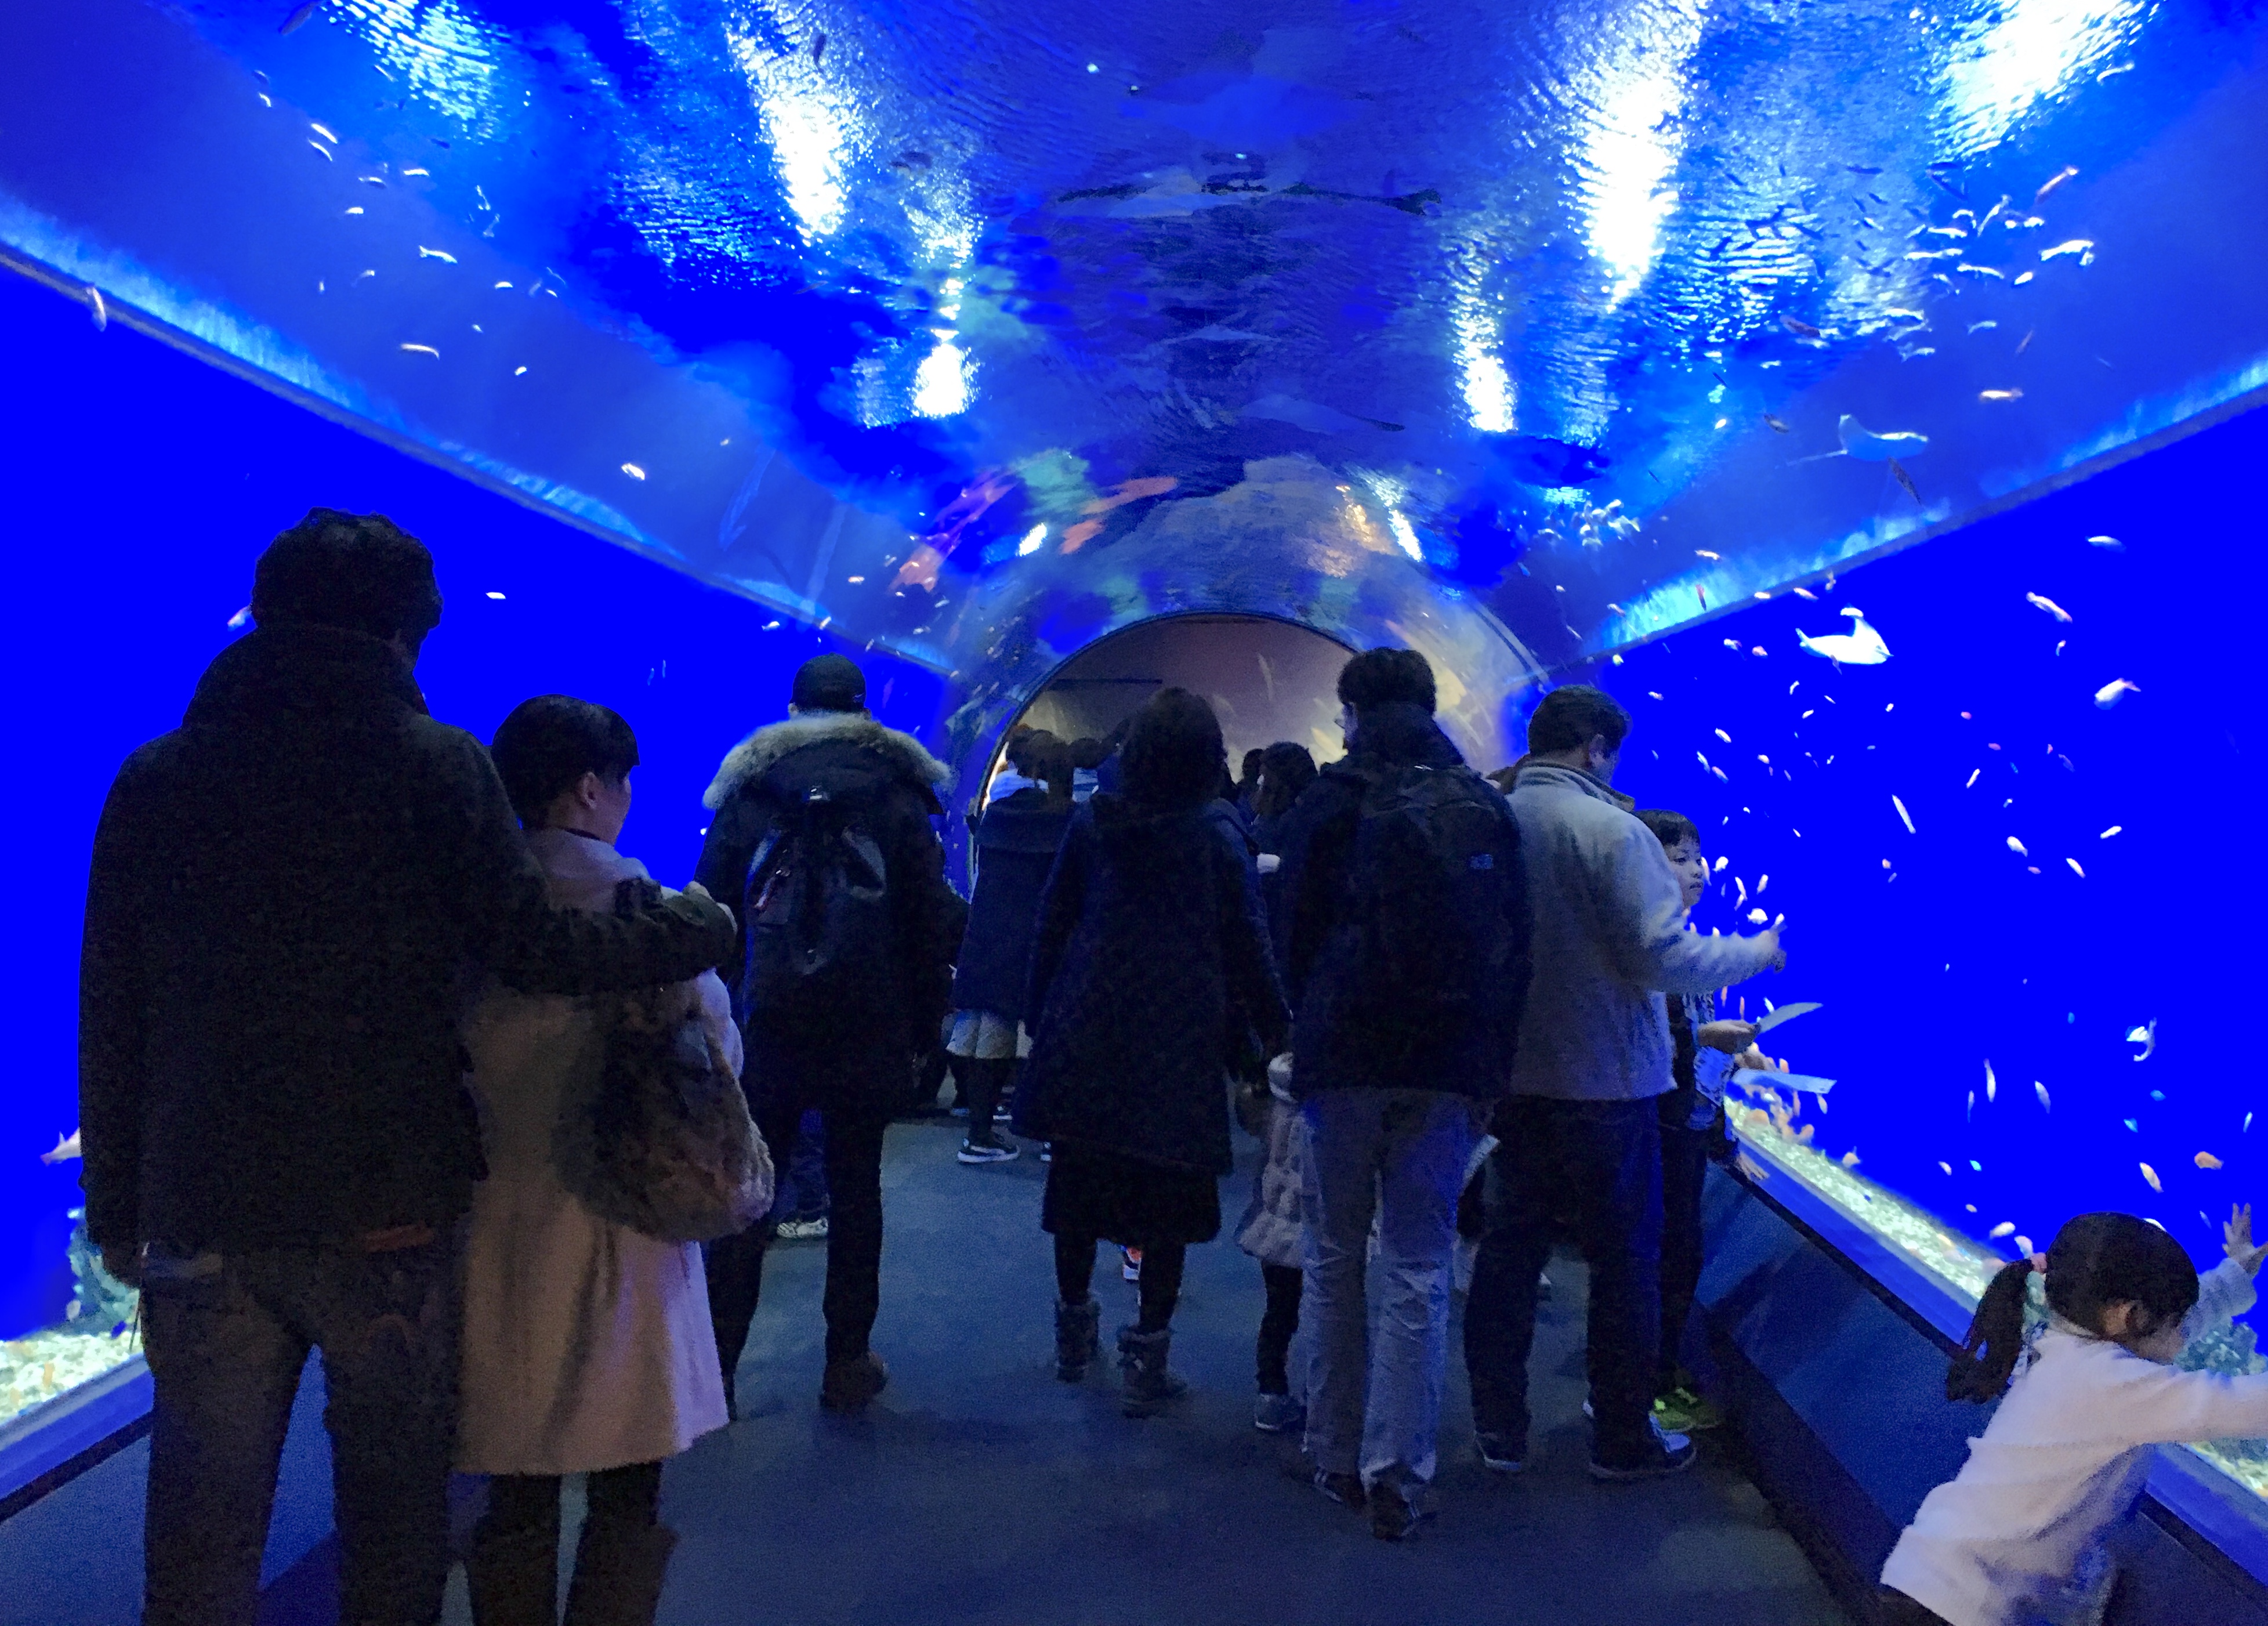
{"x":1861,"y":646}
{"x":2111,"y":693}
{"x":2048,"y":605}
{"x":1864,"y":444}
{"x":2147,"y":1036}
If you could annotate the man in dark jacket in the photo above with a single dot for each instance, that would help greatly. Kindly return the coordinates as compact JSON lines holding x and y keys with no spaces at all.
{"x":287,"y":897}
{"x":849,"y":1051}
{"x":1397,"y":1063}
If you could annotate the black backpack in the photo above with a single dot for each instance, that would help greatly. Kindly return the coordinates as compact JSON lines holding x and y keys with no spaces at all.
{"x":818,"y":912}
{"x":1439,"y":892}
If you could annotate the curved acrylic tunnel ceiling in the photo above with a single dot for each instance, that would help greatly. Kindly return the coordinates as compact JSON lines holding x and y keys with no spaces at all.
{"x":977,"y":329}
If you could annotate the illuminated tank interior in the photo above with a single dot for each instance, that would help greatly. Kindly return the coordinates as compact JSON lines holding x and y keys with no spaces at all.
{"x":1857,"y":390}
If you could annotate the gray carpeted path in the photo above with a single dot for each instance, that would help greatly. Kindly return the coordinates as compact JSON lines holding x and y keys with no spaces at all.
{"x":979,"y":1489}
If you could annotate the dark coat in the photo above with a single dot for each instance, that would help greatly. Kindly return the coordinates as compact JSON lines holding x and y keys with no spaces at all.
{"x":862,"y":1053}
{"x":1016,"y":844}
{"x":289,"y":895}
{"x":1269,"y":834}
{"x":1149,"y":968}
{"x":1349,"y":1033}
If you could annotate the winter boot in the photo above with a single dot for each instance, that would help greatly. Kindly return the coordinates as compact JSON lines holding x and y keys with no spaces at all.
{"x":1149,"y":1386}
{"x":619,"y":1569}
{"x":514,"y":1576}
{"x":849,"y":1383}
{"x":1078,"y":1339}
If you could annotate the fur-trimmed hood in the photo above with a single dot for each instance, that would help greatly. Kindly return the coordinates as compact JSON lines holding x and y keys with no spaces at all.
{"x":755,"y":756}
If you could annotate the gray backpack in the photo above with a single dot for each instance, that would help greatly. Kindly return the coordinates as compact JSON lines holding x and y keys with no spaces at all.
{"x":662,"y":1143}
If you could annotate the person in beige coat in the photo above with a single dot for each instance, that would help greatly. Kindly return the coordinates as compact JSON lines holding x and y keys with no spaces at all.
{"x":588,"y":1346}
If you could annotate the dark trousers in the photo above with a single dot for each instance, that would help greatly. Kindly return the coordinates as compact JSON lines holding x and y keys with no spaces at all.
{"x":226,"y":1337}
{"x":1280,"y":1323}
{"x":1162,"y":1265}
{"x":735,"y":1264}
{"x":1684,"y":1164}
{"x":1597,"y":1164}
{"x":1896,"y":1610}
{"x":981,"y":1083}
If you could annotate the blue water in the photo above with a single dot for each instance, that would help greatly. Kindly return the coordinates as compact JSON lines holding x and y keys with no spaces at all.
{"x":1939,"y":950}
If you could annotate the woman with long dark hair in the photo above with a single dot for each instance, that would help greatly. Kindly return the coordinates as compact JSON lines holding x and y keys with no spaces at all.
{"x":1149,"y":972}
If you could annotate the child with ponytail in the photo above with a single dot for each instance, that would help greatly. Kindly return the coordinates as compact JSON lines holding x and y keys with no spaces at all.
{"x":2015,"y":1539}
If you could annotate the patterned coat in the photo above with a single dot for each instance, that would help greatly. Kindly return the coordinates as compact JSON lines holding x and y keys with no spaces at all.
{"x":1150,"y":971}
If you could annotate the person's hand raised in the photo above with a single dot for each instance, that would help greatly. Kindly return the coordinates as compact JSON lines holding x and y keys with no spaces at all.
{"x":1729,"y":1036}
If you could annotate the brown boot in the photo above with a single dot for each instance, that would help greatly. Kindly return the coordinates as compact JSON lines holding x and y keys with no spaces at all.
{"x":514,"y":1576}
{"x":852,"y":1382}
{"x":619,"y":1569}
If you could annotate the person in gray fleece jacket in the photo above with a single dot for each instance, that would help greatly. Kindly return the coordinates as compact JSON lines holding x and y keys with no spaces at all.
{"x":1578,"y":1136}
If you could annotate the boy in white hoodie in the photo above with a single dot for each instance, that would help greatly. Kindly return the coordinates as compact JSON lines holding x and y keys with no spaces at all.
{"x":2017,"y":1538}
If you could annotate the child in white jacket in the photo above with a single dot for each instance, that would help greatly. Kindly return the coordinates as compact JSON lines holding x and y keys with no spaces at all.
{"x":2017,"y":1538}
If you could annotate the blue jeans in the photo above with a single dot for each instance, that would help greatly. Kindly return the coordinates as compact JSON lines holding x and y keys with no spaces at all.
{"x":226,"y":1336}
{"x":1399,"y":1155}
{"x":1596,"y":1166}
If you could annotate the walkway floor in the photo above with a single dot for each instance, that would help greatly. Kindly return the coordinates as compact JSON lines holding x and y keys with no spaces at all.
{"x":980,"y":1491}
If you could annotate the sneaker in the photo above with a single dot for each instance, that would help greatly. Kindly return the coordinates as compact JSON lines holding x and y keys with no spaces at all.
{"x":1047,"y":1151}
{"x":1663,"y":1455}
{"x":1501,"y":1453}
{"x":1682,"y":1411}
{"x":802,"y":1230}
{"x":1344,"y":1489}
{"x":988,"y":1152}
{"x":1278,"y":1413}
{"x":1132,"y":1269}
{"x":851,"y":1383}
{"x":1002,"y":1113}
{"x":1396,"y":1512}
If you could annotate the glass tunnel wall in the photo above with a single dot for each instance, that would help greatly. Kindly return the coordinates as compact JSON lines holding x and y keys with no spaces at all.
{"x":141,"y":486}
{"x":2016,"y":857}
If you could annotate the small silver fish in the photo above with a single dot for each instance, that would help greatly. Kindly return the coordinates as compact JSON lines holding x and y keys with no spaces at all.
{"x":2080,"y":248}
{"x":2108,"y":544}
{"x":2006,"y":394}
{"x":300,"y":13}
{"x":1861,"y":646}
{"x":2017,"y":848}
{"x":100,"y":313}
{"x":445,"y":258}
{"x":423,"y":349}
{"x":2111,"y":693}
{"x":1869,"y":447}
{"x":2147,"y":1036}
{"x":2055,"y":180}
{"x":2048,"y":605}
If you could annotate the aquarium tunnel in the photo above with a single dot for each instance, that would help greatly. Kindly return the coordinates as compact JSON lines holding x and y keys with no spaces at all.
{"x":1865,"y":393}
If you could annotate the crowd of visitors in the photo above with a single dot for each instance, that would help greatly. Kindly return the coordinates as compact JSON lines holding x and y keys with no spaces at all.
{"x":388,"y":1050}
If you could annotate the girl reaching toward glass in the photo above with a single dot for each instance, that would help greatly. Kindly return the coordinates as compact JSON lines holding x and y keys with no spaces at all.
{"x":2016,"y":1537}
